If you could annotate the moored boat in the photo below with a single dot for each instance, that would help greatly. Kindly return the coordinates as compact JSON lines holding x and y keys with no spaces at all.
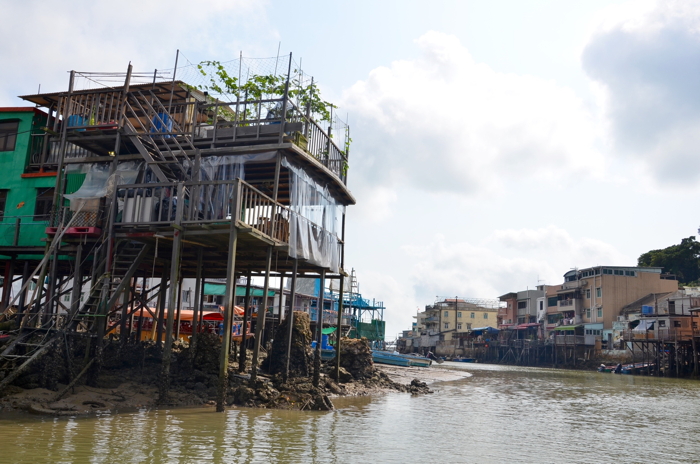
{"x":416,"y":360}
{"x":390,"y":357}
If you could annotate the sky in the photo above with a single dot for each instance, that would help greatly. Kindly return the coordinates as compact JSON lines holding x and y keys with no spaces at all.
{"x":496,"y":145}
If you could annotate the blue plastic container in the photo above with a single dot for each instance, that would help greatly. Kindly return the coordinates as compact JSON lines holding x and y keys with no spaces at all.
{"x":75,"y":120}
{"x":162,"y":123}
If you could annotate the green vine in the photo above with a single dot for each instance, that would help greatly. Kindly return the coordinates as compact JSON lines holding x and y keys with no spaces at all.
{"x":258,"y":86}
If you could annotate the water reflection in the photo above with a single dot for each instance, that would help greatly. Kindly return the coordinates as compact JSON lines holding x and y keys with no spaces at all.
{"x":500,"y":414}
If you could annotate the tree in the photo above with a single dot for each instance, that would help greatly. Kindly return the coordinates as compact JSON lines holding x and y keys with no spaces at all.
{"x":683,"y":260}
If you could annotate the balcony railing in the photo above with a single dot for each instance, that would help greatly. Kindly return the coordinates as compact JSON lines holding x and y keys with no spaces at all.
{"x":569,"y":340}
{"x":208,"y":202}
{"x":215,"y":124}
{"x":261,"y":120}
{"x":45,"y":158}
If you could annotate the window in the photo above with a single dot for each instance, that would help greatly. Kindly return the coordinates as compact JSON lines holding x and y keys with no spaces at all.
{"x":486,"y":315}
{"x":607,"y":271}
{"x":472,"y":315}
{"x":618,"y":272}
{"x":588,"y":313}
{"x":552,"y":301}
{"x":631,"y":273}
{"x":447,"y":313}
{"x":676,"y":323}
{"x":600,"y":312}
{"x":459,"y":326}
{"x":447,"y":325}
{"x":459,"y":314}
{"x":8,"y":135}
{"x":662,"y":323}
{"x":44,"y":201}
{"x":522,"y":304}
{"x":588,"y":293}
{"x":541,"y":305}
{"x":3,"y":203}
{"x":598,"y":292}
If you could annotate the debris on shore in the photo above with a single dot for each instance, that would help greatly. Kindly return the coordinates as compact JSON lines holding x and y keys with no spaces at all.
{"x":128,"y":377}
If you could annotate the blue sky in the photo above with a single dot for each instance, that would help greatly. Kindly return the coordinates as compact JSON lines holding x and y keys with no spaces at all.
{"x":495,"y":144}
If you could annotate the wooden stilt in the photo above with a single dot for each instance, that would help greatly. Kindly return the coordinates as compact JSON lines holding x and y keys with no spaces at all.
{"x":229,"y":303}
{"x":290,"y":318}
{"x":260,"y":324}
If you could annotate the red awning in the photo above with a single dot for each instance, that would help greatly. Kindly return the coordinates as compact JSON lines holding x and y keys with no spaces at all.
{"x":527,"y":326}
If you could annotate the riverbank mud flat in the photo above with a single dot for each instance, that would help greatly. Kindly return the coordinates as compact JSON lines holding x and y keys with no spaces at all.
{"x":128,"y":378}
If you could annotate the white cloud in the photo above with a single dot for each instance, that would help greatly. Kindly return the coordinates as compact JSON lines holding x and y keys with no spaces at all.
{"x":42,"y":42}
{"x":647,"y":61}
{"x":444,"y":122}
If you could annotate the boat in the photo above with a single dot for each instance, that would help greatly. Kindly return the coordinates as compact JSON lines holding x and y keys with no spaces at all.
{"x":390,"y":357}
{"x":416,"y":360}
{"x":463,"y":360}
{"x":637,"y":368}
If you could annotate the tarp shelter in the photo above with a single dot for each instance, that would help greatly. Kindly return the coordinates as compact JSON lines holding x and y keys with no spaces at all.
{"x":484,"y":330}
{"x":328,"y":330}
{"x":644,"y":326}
{"x":220,"y":290}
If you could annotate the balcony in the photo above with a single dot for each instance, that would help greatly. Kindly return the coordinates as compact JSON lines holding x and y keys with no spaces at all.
{"x":93,"y":118}
{"x":570,"y":305}
{"x":573,"y":285}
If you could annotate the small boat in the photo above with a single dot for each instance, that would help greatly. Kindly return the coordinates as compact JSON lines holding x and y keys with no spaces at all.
{"x":637,"y":368}
{"x":604,"y":368}
{"x":390,"y":357}
{"x":464,"y":360}
{"x":416,"y":360}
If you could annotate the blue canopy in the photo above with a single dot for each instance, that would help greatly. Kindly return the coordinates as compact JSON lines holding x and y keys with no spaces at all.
{"x":481,"y":330}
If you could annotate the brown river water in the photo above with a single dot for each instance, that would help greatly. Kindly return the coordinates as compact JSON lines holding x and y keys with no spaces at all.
{"x":499,"y":414}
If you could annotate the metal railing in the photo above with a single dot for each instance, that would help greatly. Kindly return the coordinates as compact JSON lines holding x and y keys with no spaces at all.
{"x":569,"y":339}
{"x":46,"y":159}
{"x":220,"y":123}
{"x":22,"y":231}
{"x":262,"y":120}
{"x":206,"y":202}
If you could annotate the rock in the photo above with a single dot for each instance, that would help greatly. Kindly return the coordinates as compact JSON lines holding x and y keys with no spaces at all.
{"x":344,"y":376}
{"x":418,"y":388}
{"x":334,"y":387}
{"x":356,"y":358}
{"x":322,"y":403}
{"x":243,"y":394}
{"x":301,"y":358}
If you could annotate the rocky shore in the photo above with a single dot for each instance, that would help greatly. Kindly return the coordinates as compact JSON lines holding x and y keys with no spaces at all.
{"x":129,"y":376}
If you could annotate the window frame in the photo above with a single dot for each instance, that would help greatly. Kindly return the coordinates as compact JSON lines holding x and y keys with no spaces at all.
{"x":44,"y":196}
{"x":3,"y":202}
{"x":9,"y":135}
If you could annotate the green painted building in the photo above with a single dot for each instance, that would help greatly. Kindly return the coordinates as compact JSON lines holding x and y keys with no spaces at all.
{"x":26,"y":185}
